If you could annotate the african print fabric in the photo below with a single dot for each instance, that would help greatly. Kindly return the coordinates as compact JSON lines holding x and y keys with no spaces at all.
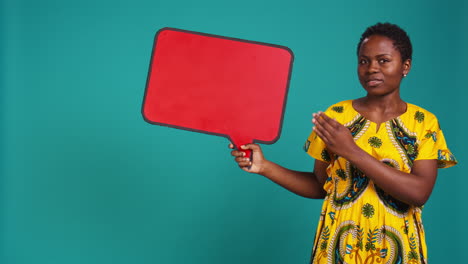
{"x":359,"y":222}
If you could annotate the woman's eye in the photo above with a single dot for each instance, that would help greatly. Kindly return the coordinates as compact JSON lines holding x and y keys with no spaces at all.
{"x":383,"y":60}
{"x":362,"y":61}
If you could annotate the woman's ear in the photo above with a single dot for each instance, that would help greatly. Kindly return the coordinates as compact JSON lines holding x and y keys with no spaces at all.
{"x":406,"y":67}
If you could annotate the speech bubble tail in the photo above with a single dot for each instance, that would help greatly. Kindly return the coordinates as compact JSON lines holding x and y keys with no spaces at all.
{"x":238,"y":142}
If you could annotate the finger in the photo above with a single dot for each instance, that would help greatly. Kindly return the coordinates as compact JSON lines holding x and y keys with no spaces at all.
{"x":256,"y":149}
{"x":237,"y":153}
{"x":317,"y":122}
{"x":245,"y":164}
{"x":231,"y":146}
{"x":327,"y":131}
{"x":318,"y":119}
{"x":329,"y":120}
{"x":241,"y":159}
{"x":321,"y":134}
{"x":314,"y":116}
{"x":253,"y":147}
{"x":324,"y":120}
{"x":321,"y":128}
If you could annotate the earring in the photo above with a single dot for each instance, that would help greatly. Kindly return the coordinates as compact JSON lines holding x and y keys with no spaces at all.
{"x":404,"y":75}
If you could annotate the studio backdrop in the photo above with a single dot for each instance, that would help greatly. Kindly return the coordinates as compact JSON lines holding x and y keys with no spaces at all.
{"x":84,"y":179}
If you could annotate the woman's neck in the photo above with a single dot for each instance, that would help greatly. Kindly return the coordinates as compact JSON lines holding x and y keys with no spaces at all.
{"x":380,"y":109}
{"x":391,"y":103}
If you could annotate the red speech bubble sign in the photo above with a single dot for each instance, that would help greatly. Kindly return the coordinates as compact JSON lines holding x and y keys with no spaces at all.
{"x":218,"y":85}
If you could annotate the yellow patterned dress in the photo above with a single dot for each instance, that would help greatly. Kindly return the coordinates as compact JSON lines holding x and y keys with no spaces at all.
{"x":359,"y":222}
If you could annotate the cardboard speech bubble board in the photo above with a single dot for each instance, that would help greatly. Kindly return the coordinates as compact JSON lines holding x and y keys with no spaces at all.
{"x":218,"y":85}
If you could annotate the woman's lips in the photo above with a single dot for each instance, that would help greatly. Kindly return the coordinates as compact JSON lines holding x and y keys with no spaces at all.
{"x":374,"y":82}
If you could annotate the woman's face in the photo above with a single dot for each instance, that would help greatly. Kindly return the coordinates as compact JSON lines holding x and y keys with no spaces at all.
{"x":380,"y":67}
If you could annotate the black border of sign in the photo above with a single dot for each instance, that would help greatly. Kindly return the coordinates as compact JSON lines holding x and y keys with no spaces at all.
{"x":228,"y":38}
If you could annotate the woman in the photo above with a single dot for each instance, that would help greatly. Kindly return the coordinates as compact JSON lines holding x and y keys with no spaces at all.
{"x":376,"y":161}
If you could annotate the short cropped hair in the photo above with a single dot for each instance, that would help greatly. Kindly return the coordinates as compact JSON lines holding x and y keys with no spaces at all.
{"x":401,"y":40}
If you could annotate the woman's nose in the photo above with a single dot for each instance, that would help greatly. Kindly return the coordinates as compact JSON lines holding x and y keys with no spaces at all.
{"x":373,"y":67}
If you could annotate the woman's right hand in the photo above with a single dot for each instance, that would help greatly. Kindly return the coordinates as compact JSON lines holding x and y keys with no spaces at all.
{"x":256,"y":165}
{"x":301,"y":183}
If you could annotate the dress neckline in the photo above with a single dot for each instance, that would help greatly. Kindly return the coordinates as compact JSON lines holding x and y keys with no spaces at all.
{"x":408,"y":105}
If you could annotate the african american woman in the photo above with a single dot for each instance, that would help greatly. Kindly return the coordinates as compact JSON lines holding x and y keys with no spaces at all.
{"x":376,"y":161}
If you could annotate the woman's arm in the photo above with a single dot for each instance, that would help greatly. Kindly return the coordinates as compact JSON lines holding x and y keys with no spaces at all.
{"x":412,"y":188}
{"x":306,"y":184}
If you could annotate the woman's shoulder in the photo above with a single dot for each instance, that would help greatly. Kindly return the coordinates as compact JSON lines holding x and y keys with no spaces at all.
{"x":419,"y":114}
{"x":342,"y":111}
{"x":341,"y":107}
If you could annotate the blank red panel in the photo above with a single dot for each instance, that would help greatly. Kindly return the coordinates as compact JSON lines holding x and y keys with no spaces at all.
{"x":217,"y":85}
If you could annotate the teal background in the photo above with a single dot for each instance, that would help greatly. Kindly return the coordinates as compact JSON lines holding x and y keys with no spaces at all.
{"x":85,"y":180}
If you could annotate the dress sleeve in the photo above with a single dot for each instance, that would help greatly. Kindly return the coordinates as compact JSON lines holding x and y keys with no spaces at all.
{"x":315,"y":147}
{"x":434,"y":146}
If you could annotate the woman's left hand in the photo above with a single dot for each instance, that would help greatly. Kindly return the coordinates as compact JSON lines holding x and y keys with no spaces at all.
{"x":336,"y":136}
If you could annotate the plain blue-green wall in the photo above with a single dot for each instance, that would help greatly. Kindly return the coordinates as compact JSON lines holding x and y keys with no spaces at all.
{"x":85,"y":180}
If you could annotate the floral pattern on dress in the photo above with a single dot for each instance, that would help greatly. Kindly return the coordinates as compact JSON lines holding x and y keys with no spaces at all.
{"x":361,"y":223}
